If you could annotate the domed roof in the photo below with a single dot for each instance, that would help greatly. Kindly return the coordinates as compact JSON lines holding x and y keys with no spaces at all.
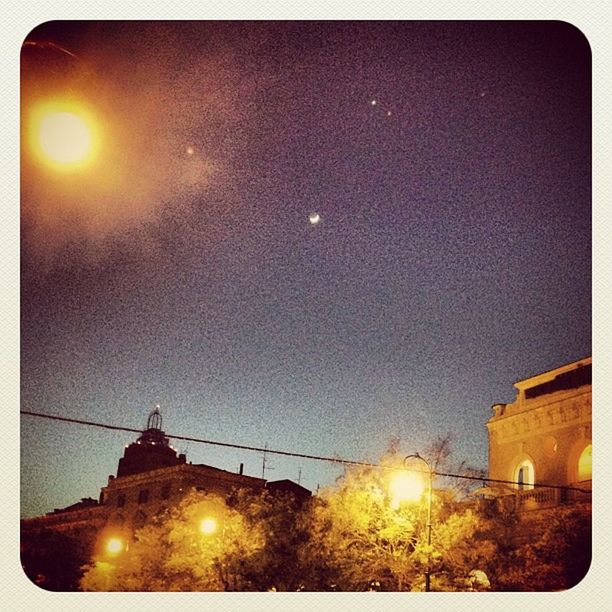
{"x":150,"y":451}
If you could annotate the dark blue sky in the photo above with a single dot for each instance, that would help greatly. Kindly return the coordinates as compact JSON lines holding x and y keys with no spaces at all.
{"x":453,"y":256}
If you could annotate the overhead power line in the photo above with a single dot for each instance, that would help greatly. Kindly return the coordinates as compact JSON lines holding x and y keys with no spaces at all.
{"x":258,"y":449}
{"x":265,"y":449}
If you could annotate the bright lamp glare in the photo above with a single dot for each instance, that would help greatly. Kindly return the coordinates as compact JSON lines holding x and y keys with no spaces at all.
{"x":405,"y":486}
{"x":63,"y":134}
{"x":208,"y":526}
{"x":114,"y":546}
{"x":64,"y":137}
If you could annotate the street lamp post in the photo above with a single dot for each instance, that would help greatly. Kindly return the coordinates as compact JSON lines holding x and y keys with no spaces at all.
{"x":429,"y":497}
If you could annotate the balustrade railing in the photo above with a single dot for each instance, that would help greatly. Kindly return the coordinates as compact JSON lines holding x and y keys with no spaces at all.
{"x":538,"y":497}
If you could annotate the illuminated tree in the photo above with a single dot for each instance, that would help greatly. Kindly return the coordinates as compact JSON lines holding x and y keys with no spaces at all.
{"x":362,"y":540}
{"x":365,"y":533}
{"x":201,"y":545}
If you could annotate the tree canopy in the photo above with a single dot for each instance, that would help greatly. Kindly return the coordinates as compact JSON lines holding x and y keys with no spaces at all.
{"x":364,"y":533}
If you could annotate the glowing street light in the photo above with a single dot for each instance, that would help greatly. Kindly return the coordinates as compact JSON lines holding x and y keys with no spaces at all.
{"x":405,"y":486}
{"x":429,"y":496}
{"x":64,"y":137}
{"x":114,"y":546}
{"x":63,"y":134}
{"x":208,"y":526}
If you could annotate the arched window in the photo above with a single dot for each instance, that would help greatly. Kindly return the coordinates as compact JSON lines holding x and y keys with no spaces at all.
{"x":524,"y":475}
{"x":585,"y":465}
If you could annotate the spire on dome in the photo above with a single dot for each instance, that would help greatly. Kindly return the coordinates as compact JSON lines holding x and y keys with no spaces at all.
{"x":155,"y":419}
{"x":151,"y":450}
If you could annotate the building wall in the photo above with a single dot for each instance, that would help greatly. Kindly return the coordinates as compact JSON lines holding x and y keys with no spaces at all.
{"x":131,"y":500}
{"x":547,"y":426}
{"x":71,"y":521}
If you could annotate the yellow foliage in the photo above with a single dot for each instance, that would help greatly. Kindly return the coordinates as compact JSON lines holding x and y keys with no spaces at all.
{"x":175,"y":555}
{"x":368,"y":538}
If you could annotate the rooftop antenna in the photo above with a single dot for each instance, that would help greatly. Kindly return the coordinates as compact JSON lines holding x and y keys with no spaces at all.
{"x":265,"y":462}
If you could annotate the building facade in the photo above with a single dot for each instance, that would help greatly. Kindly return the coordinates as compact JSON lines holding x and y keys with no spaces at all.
{"x":544,"y":438}
{"x":152,"y":477}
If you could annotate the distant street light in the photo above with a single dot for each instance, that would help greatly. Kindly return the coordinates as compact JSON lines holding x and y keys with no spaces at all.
{"x":114,"y":546}
{"x":429,"y":496}
{"x":208,"y":526}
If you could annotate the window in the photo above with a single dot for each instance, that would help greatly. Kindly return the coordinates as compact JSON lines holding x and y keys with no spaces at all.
{"x":165,"y":492}
{"x":143,"y":496}
{"x":524,"y":475}
{"x":120,"y":500}
{"x":585,"y":464}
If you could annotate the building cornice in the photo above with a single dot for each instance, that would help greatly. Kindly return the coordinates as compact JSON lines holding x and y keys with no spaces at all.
{"x":517,"y":408}
{"x":184,"y":469}
{"x":565,"y":411}
{"x":549,"y":375}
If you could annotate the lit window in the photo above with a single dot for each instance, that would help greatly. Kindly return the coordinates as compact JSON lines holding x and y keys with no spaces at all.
{"x":585,"y":463}
{"x":524,"y":475}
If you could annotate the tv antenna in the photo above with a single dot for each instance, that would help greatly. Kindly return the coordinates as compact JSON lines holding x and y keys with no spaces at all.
{"x":265,"y":464}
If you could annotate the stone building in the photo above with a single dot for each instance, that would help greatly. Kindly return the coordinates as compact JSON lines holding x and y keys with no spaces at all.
{"x":151,"y":478}
{"x":544,"y":437}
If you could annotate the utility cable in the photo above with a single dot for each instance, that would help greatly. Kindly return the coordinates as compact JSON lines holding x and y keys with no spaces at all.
{"x":291,"y":453}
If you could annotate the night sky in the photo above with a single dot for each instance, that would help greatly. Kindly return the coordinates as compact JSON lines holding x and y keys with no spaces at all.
{"x":449,"y":164}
